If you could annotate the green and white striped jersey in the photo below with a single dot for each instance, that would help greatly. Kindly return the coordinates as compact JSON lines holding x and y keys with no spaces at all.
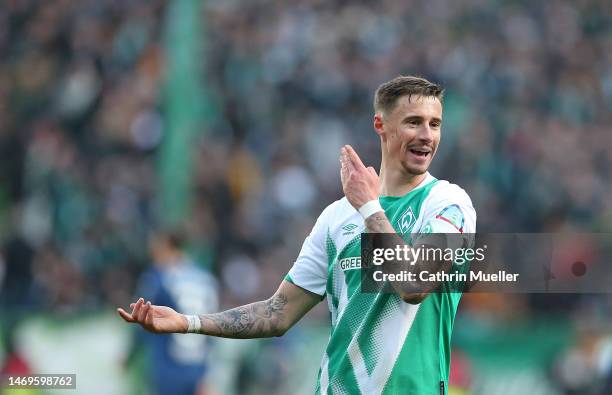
{"x":380,"y":344}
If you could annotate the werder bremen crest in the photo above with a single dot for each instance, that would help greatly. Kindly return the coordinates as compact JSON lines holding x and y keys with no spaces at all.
{"x":406,"y":221}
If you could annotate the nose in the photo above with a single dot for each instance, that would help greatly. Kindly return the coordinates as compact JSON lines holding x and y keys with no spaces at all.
{"x":425,"y":134}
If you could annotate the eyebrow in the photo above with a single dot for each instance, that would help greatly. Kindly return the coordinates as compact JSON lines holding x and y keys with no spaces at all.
{"x":420,"y":117}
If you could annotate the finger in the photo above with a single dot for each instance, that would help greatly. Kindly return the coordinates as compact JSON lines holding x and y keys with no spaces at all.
{"x":137,"y":308}
{"x":354,"y":158}
{"x":343,"y":160}
{"x":347,"y":164}
{"x":125,"y":315}
{"x":149,"y":317}
{"x":143,"y":312}
{"x":344,"y":174}
{"x":372,"y":171}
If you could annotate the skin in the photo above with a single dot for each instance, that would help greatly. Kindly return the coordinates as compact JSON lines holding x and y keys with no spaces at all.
{"x":267,"y":318}
{"x":413,"y":124}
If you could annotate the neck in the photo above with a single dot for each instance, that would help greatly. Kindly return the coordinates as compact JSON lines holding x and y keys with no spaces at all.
{"x":394,"y":182}
{"x":171,"y":258}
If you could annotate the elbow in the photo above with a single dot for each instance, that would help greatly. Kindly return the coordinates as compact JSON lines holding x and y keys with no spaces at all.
{"x":413,"y":298}
{"x":281,"y":328}
{"x":280,"y":331}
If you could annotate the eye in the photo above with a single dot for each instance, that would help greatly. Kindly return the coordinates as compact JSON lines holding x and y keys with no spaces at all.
{"x":435,"y":124}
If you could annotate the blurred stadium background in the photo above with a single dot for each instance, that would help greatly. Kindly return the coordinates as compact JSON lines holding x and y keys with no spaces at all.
{"x":225,"y":118}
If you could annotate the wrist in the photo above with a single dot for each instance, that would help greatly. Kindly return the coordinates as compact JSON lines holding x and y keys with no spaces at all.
{"x":192,"y":324}
{"x":369,"y":208}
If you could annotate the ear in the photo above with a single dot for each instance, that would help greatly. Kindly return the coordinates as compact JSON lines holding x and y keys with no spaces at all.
{"x":379,"y":126}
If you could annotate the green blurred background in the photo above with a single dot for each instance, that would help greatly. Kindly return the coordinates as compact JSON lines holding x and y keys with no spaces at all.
{"x":224,"y":118}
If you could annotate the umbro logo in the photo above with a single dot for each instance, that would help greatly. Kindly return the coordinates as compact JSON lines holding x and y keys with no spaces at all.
{"x":349,"y":229}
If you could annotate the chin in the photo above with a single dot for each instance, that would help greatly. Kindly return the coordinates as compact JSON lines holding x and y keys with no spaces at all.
{"x":415,"y":170}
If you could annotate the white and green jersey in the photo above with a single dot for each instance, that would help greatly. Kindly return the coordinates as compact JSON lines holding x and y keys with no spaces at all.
{"x":380,"y":344}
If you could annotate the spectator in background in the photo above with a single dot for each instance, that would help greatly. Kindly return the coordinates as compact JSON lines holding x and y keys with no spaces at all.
{"x":16,"y":257}
{"x":178,"y":364}
{"x":82,"y":120}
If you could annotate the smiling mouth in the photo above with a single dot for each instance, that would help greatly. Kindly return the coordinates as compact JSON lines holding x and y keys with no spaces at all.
{"x":422,"y":153}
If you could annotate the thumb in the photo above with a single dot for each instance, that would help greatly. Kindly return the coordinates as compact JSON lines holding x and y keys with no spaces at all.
{"x":125,"y":315}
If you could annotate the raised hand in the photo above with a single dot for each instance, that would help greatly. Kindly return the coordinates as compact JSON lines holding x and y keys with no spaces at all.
{"x":360,"y":183}
{"x":157,"y":319}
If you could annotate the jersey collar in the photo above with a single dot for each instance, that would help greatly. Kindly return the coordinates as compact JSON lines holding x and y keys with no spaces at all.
{"x":428,"y":178}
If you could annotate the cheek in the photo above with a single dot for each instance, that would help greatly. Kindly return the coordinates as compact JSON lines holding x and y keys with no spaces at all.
{"x":437,"y":139}
{"x":399,"y":138}
{"x":405,"y":137}
{"x":393,"y":139}
{"x":396,"y":142}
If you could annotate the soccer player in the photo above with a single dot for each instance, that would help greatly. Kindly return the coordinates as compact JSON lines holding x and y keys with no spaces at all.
{"x":178,"y":363}
{"x":380,"y":343}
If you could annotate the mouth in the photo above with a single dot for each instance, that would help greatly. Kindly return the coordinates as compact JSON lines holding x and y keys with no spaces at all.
{"x":420,"y":152}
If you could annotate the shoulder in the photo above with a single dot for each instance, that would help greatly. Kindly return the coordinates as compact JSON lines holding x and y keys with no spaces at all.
{"x":451,"y":203}
{"x":151,"y":276}
{"x":150,"y":283}
{"x":337,"y":212}
{"x":446,"y":192}
{"x":193,"y":271}
{"x":340,"y":220}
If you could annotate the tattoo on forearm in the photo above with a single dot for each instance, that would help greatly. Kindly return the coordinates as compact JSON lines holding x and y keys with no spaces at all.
{"x":260,"y":319}
{"x":414,"y":290}
{"x":378,"y":223}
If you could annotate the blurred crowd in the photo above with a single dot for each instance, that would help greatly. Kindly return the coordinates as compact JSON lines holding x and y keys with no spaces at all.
{"x":526,"y":129}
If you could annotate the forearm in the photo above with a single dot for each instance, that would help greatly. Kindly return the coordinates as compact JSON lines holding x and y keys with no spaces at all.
{"x":411,"y":291}
{"x":260,"y":319}
{"x":378,"y":223}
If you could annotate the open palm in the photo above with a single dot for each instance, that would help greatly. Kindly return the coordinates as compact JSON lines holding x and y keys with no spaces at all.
{"x":157,"y":319}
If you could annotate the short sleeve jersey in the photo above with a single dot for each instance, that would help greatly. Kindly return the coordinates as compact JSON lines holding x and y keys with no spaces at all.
{"x":380,"y":344}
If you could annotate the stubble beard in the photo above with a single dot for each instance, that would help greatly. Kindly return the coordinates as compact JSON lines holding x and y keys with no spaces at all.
{"x":415,"y":170}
